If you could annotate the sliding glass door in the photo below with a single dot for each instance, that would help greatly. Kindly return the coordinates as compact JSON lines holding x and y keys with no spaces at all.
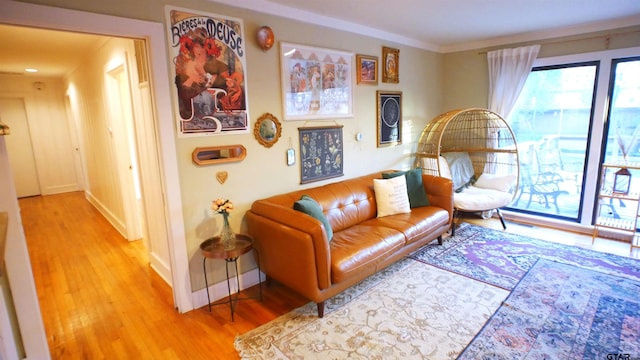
{"x":574,"y":113}
{"x":552,"y":122}
{"x":623,"y":128}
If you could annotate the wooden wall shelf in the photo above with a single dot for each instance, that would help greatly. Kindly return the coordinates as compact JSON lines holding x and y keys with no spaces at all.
{"x":218,"y":154}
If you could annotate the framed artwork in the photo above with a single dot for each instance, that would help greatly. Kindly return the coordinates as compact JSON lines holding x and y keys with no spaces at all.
{"x":367,"y":69}
{"x":316,"y":83}
{"x":391,"y":65}
{"x":321,"y":155}
{"x":389,"y":117}
{"x":208,"y":61}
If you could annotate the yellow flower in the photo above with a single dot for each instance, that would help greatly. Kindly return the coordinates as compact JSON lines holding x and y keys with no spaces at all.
{"x":221,"y":205}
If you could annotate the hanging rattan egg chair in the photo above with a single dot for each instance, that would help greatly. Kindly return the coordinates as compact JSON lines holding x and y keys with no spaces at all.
{"x":477,"y":150}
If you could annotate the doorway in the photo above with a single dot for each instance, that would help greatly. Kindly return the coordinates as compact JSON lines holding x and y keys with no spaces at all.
{"x":21,"y":109}
{"x":167,"y":192}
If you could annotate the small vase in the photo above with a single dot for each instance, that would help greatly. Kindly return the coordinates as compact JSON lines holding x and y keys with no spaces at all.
{"x":227,"y":236}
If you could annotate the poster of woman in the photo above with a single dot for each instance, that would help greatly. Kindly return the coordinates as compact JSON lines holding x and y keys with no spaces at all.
{"x":208,"y":59}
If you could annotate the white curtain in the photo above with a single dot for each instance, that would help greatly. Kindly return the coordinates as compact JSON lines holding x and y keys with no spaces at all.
{"x":508,"y":71}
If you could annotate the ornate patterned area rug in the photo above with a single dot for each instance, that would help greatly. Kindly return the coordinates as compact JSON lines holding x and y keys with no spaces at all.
{"x":410,"y":310}
{"x":502,"y":259}
{"x":560,"y":311}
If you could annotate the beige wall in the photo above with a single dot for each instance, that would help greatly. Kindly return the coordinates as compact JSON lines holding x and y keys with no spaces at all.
{"x":465,"y":75}
{"x":431,"y":83}
{"x":264,"y":171}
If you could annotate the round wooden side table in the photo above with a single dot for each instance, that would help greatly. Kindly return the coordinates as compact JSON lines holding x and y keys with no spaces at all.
{"x":213,"y":248}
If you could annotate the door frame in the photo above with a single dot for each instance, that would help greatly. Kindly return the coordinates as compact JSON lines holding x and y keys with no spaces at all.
{"x":23,"y":14}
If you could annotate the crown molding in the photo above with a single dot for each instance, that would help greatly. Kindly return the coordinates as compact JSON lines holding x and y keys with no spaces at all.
{"x":288,"y":12}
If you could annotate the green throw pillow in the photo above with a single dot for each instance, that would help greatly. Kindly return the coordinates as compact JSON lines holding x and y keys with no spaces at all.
{"x":415,"y":188}
{"x":309,"y":206}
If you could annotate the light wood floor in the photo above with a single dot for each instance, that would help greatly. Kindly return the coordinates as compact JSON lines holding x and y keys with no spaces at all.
{"x":100,"y":299}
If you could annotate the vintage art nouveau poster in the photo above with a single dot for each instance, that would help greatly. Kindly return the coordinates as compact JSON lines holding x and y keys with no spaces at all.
{"x":317,"y":83}
{"x":209,"y":67}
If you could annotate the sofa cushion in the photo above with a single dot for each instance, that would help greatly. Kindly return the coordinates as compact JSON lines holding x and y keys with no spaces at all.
{"x":309,"y":206}
{"x":416,"y":225}
{"x":391,"y":196}
{"x":415,"y":188}
{"x":361,"y":248}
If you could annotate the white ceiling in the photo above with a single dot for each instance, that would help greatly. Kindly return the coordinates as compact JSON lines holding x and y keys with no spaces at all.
{"x":437,"y":25}
{"x":453,"y":25}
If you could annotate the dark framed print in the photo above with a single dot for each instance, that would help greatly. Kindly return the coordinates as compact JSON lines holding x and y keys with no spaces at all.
{"x":321,"y":154}
{"x":389,"y":117}
{"x":391,"y":65}
{"x":367,"y":69}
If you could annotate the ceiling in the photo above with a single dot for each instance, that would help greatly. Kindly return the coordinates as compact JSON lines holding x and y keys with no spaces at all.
{"x":59,"y":54}
{"x":454,"y":25}
{"x":436,"y":25}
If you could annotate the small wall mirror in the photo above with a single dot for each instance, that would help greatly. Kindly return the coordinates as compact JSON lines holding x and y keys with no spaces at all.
{"x":267,"y":130}
{"x":218,"y":154}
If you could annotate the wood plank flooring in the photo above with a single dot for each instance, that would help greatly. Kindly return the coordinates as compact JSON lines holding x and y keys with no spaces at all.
{"x":101,"y":300}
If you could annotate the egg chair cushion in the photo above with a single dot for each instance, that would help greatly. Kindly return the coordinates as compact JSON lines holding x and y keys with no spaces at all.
{"x":474,"y":198}
{"x":503,"y":183}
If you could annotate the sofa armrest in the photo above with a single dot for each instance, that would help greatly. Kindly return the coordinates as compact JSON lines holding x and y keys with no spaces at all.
{"x":440,"y":192}
{"x":293,"y":246}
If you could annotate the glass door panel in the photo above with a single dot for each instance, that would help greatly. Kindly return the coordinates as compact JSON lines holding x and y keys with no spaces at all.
{"x":622,"y":140}
{"x":551,"y":122}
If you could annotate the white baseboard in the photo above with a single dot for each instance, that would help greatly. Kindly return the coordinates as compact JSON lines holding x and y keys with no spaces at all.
{"x":61,"y":189}
{"x":161,"y":268}
{"x":219,"y":290}
{"x":111,"y":218}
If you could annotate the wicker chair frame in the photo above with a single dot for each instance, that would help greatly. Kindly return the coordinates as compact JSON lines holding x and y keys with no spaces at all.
{"x":483,"y":134}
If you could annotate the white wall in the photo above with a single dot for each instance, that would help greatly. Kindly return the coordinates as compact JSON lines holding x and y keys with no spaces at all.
{"x":19,"y":266}
{"x":89,"y":103}
{"x":48,"y":126}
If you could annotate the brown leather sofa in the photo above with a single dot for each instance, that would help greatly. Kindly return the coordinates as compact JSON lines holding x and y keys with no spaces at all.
{"x":293,"y":248}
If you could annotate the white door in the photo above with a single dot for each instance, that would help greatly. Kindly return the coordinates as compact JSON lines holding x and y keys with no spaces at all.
{"x":23,"y":164}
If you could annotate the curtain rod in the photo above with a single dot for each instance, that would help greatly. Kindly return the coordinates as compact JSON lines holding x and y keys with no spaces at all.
{"x":607,"y":38}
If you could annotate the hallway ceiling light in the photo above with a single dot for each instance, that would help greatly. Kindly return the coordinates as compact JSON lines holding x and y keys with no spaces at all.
{"x":30,"y":70}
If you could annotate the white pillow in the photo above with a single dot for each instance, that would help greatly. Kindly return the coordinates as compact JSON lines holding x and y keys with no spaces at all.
{"x":444,"y":168}
{"x":391,"y":196}
{"x":502,"y":183}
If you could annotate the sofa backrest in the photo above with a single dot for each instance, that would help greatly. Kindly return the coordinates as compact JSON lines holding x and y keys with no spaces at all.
{"x":344,"y":203}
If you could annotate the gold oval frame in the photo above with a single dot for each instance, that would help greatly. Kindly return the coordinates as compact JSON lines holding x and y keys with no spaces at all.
{"x":265,"y":134}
